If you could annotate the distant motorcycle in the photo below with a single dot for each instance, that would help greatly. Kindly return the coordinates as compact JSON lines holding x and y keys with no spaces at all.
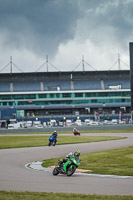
{"x":68,"y":167}
{"x":76,"y":132}
{"x":52,"y":141}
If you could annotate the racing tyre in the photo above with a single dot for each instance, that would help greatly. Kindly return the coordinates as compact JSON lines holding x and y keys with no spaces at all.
{"x":53,"y":143}
{"x":55,"y":172}
{"x":49,"y":144}
{"x":71,"y":170}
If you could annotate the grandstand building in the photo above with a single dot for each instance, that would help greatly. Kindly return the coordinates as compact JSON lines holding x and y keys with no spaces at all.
{"x":43,"y":94}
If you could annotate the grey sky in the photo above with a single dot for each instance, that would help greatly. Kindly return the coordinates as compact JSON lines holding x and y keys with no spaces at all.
{"x":65,"y":30}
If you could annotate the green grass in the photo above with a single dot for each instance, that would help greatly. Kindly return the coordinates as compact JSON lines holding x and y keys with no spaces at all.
{"x":33,"y":141}
{"x":113,"y":162}
{"x":4,"y":195}
{"x":109,"y":131}
{"x":84,"y":131}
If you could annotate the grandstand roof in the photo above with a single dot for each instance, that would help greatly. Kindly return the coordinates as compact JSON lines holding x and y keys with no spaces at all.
{"x":63,"y":74}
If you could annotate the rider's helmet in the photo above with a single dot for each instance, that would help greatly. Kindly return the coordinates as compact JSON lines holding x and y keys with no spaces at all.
{"x":74,"y":129}
{"x":77,"y":153}
{"x":55,"y":132}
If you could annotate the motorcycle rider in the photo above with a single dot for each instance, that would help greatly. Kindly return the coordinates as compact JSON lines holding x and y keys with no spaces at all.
{"x":75,"y":130}
{"x":55,"y":136}
{"x":76,"y":154}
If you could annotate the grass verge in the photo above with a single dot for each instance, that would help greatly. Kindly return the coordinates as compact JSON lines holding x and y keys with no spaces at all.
{"x":34,"y":141}
{"x":113,"y":162}
{"x":4,"y":195}
{"x":84,"y":131}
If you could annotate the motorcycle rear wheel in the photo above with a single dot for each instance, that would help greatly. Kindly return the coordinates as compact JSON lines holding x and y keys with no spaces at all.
{"x":71,"y":170}
{"x":55,"y":172}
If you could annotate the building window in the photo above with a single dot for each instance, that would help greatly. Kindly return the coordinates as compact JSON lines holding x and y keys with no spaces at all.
{"x":87,"y":94}
{"x":41,"y":96}
{"x":78,"y":94}
{"x":66,"y":95}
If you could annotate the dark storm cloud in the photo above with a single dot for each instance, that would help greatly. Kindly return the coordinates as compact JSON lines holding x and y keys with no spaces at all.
{"x":39,"y":25}
{"x":102,"y":14}
{"x":31,"y":29}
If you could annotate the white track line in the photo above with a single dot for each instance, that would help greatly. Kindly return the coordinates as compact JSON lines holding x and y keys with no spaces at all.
{"x":38,"y":166}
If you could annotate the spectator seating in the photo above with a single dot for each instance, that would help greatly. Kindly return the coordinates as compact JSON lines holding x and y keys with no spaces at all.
{"x":26,"y":86}
{"x":125,"y":83}
{"x":4,"y":86}
{"x":87,"y":85}
{"x":56,"y":84}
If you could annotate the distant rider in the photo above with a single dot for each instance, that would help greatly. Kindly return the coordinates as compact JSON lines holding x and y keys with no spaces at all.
{"x":75,"y":131}
{"x":55,"y":136}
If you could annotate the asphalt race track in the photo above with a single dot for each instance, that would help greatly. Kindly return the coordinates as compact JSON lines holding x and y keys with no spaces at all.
{"x":14,"y":176}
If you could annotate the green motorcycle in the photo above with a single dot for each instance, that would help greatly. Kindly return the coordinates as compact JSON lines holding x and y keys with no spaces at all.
{"x":67,"y":166}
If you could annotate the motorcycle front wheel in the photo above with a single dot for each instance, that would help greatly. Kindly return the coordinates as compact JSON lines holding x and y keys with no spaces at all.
{"x":71,"y":170}
{"x":49,"y":144}
{"x":55,"y":172}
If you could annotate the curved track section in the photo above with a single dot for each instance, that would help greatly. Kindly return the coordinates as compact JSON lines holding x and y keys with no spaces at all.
{"x":14,"y":175}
